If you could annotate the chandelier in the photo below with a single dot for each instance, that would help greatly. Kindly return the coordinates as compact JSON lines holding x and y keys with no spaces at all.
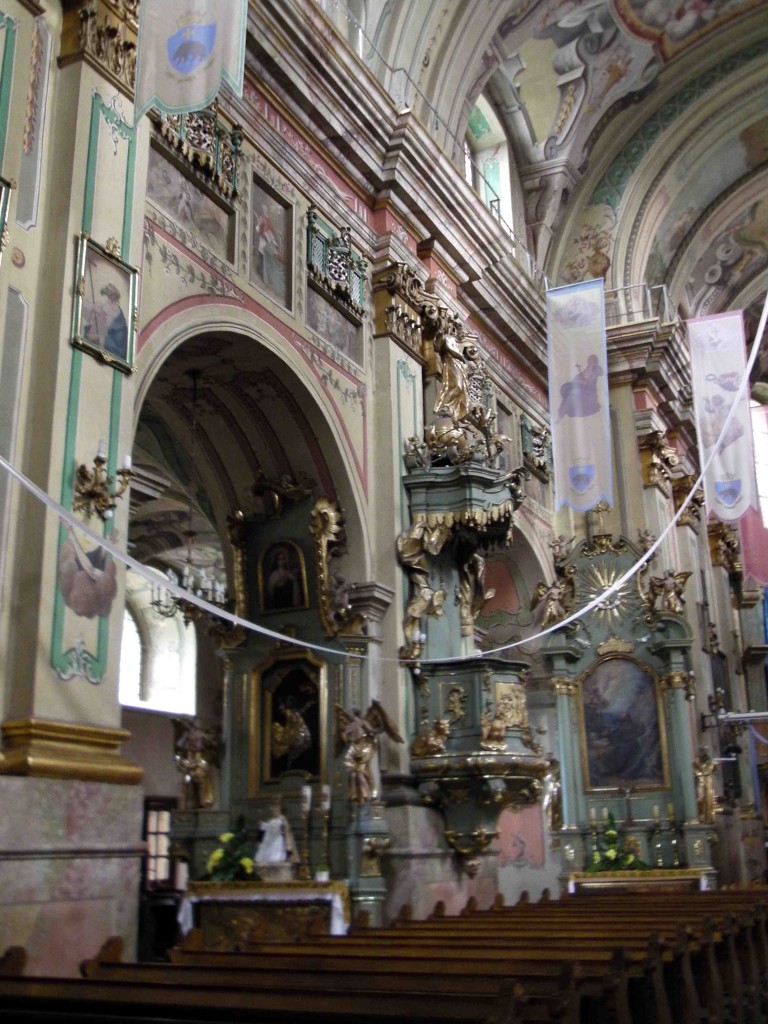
{"x":199,"y":582}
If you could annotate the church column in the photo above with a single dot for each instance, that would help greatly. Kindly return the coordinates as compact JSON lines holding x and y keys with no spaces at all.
{"x":61,"y":729}
{"x":573,"y":809}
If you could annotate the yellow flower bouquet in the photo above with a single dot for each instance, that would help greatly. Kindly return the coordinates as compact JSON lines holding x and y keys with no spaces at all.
{"x":231,"y":861}
{"x":613,"y":853}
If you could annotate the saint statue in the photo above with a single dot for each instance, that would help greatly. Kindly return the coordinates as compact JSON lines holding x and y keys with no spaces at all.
{"x":703,"y":769}
{"x":276,"y":853}
{"x":357,"y":735}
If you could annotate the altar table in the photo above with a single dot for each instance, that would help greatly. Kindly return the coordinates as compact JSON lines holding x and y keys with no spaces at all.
{"x":231,"y":913}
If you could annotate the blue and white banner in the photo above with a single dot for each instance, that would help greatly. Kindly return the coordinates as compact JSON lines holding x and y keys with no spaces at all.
{"x":578,"y":395}
{"x":718,"y":360}
{"x":186,"y":49}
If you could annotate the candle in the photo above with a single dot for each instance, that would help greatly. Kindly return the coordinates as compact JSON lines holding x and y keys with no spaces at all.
{"x":306,"y":798}
{"x":671,"y":810}
{"x":325,"y":797}
{"x":592,"y":815}
{"x":655,"y":812}
{"x":101,"y":451}
{"x":605,"y":814}
{"x":127,"y":462}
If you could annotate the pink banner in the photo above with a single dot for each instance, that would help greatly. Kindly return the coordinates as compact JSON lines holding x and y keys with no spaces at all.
{"x":718,"y":361}
{"x":578,"y":395}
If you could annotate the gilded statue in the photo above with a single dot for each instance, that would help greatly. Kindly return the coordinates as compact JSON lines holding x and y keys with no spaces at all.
{"x":554,"y":598}
{"x":196,"y":750}
{"x":472,"y":592}
{"x":432,"y":740}
{"x":493,"y":733}
{"x":665,"y":593}
{"x":704,"y":769}
{"x":453,"y":398}
{"x":357,"y":736}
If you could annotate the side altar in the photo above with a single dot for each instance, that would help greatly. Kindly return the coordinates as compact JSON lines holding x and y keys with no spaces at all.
{"x":228,"y":914}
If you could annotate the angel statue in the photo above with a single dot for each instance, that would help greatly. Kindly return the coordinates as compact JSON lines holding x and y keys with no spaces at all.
{"x":668,"y":591}
{"x":554,"y":598}
{"x":358,"y":733}
{"x":196,"y":750}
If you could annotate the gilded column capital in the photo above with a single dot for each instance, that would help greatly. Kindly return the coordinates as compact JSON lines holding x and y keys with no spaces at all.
{"x":724,"y":547}
{"x":681,"y":488}
{"x":562,"y":685}
{"x":679,"y":680}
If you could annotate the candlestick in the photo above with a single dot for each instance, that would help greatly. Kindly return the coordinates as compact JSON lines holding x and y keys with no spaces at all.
{"x":306,"y":803}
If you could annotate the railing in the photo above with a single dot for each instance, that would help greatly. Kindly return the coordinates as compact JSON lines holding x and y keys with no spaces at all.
{"x":633,"y":303}
{"x":404,"y":92}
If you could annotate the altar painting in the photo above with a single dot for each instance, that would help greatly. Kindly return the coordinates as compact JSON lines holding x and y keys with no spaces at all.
{"x":623,"y":742}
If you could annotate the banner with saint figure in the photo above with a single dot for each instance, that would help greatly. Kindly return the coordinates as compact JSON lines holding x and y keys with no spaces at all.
{"x":718,"y":362}
{"x":578,"y":395}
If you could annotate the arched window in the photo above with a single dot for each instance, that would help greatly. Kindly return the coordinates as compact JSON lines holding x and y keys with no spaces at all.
{"x":486,"y":151}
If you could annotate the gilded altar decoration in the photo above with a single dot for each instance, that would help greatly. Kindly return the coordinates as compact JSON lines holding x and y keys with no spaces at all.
{"x":335,"y":593}
{"x":196,"y":752}
{"x":561,"y":548}
{"x":412,"y":548}
{"x":665,"y":593}
{"x":272,"y":496}
{"x":492,"y":732}
{"x":432,"y":740}
{"x":357,"y":736}
{"x":472,"y":591}
{"x":103,"y":35}
{"x":658,"y":459}
{"x":724,"y":547}
{"x":557,"y":599}
{"x":537,"y":448}
{"x":703,"y":770}
{"x":511,"y":707}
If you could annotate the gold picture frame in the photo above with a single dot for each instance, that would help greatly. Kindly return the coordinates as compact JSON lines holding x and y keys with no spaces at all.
{"x":282,"y":578}
{"x":105,"y":313}
{"x":621,"y":725}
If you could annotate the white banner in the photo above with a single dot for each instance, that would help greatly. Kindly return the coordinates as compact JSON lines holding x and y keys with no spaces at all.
{"x":185,"y":49}
{"x":578,"y":395}
{"x":718,"y":359}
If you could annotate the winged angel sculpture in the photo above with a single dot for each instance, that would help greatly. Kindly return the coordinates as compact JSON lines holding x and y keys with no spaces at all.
{"x":359,"y":734}
{"x":665,"y":593}
{"x":196,"y":751}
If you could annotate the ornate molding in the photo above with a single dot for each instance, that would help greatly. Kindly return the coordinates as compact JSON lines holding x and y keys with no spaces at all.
{"x":103,"y":33}
{"x":680,"y":680}
{"x":333,"y":269}
{"x":724,"y":547}
{"x":66,"y":750}
{"x":615,"y":645}
{"x":658,"y":459}
{"x":681,"y":487}
{"x":207,"y":144}
{"x":334,"y":593}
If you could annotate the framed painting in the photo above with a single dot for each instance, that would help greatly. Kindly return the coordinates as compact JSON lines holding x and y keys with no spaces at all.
{"x":288,"y":705}
{"x":622,"y":727}
{"x":272,"y":244}
{"x":104,"y":315}
{"x":282,"y":578}
{"x":204,"y":222}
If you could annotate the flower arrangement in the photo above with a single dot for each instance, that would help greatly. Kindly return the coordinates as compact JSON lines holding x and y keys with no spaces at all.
{"x":615,"y":854}
{"x":231,"y":862}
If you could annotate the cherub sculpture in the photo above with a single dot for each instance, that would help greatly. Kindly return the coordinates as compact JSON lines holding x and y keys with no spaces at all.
{"x":665,"y":593}
{"x":432,"y":740}
{"x":358,"y":734}
{"x":195,"y":751}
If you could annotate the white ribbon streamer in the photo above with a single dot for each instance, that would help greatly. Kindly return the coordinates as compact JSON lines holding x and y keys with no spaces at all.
{"x":235,"y":620}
